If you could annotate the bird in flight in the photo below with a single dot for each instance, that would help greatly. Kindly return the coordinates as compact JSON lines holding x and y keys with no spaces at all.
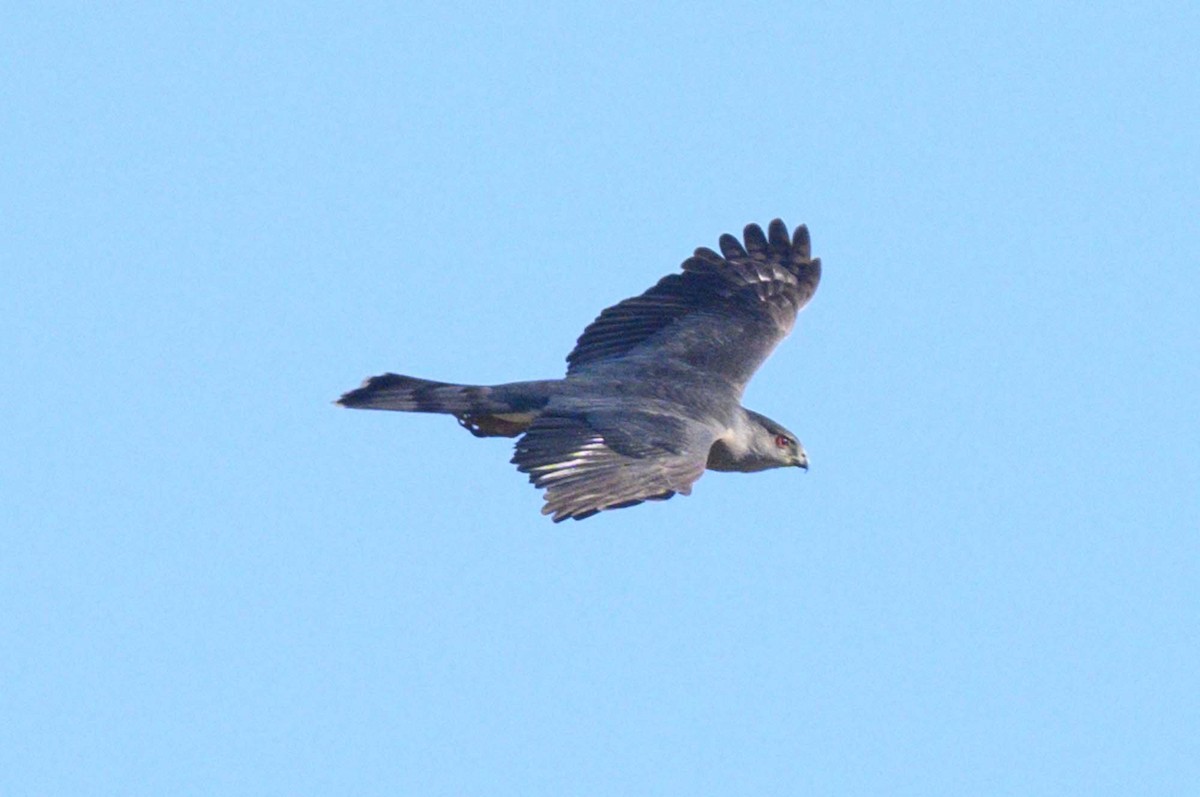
{"x":652,"y":394}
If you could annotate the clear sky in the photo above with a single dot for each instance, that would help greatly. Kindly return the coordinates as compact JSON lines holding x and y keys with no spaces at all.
{"x":215,"y":219}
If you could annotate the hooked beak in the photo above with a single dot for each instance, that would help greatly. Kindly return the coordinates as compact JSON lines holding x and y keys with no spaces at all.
{"x":802,"y":460}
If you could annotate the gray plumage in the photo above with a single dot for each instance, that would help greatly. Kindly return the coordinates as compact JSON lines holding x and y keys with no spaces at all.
{"x":652,"y":394}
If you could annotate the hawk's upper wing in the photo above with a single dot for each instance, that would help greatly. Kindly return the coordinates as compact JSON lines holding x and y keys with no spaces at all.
{"x":589,"y":461}
{"x":722,"y":315}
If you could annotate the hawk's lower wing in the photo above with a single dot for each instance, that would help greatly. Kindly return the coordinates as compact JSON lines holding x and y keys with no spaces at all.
{"x":587,"y":462}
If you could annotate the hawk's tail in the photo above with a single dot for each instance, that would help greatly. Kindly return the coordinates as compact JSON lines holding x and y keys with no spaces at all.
{"x":502,"y":410}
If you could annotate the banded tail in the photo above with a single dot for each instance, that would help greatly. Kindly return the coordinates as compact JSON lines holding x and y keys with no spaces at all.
{"x":484,"y":411}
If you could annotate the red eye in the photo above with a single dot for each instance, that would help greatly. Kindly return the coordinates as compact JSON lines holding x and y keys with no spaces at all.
{"x":782,"y":441}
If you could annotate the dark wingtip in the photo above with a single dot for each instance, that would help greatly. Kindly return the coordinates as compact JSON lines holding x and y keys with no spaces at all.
{"x":756,"y":242}
{"x":731,"y":247}
{"x":777,"y":238}
{"x":801,"y":243}
{"x":777,"y":234}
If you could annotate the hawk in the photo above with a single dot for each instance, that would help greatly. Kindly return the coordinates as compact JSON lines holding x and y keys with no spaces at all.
{"x":652,"y":393}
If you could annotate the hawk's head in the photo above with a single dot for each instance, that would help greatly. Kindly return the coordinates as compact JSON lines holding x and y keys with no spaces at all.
{"x":773,"y":445}
{"x":758,"y":443}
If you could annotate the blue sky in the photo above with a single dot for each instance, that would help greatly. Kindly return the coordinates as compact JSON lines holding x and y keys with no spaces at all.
{"x":214,"y":220}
